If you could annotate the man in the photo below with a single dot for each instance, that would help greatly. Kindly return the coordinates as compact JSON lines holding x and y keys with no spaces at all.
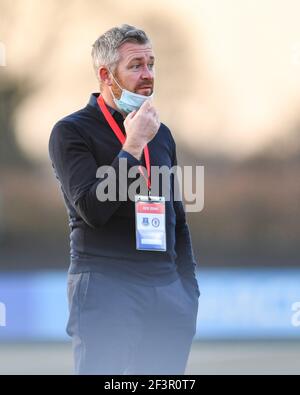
{"x":133,"y":300}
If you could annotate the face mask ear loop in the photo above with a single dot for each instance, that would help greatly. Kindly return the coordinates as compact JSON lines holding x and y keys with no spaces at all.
{"x":115,"y":80}
{"x":113,"y":96}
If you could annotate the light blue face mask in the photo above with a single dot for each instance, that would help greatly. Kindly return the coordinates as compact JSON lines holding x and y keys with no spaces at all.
{"x":129,"y":101}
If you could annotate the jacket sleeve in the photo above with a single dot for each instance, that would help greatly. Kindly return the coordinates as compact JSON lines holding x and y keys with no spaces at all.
{"x":76,"y":170}
{"x":186,"y":263}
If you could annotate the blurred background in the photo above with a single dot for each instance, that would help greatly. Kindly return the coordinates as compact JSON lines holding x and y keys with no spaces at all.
{"x":228,"y":86}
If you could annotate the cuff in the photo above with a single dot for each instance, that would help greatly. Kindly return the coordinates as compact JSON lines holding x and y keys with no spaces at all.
{"x":132,"y":161}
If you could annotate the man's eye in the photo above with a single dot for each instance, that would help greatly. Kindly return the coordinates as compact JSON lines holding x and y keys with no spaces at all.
{"x":137,"y":66}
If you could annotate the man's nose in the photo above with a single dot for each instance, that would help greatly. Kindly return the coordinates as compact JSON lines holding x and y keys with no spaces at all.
{"x":146,"y":73}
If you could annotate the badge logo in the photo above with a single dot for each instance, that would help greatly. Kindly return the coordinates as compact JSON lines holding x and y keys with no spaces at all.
{"x":145,"y":221}
{"x":155,"y":222}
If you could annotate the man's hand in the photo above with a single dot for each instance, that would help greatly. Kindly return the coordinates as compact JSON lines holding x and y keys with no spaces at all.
{"x":141,"y":127}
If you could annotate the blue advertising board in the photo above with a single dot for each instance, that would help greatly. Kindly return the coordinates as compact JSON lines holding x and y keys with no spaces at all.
{"x":234,"y":304}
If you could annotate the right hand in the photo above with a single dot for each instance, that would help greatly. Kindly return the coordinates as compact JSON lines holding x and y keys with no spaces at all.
{"x":141,"y":127}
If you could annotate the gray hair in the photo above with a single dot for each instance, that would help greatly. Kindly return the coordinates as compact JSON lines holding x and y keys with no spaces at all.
{"x":105,"y":48}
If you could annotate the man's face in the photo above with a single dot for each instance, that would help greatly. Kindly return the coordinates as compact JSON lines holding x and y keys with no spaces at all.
{"x":135,"y":70}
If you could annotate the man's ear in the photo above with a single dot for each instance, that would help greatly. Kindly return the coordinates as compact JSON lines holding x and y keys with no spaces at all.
{"x":105,"y":76}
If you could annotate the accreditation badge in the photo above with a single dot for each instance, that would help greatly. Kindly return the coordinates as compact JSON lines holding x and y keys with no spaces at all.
{"x":150,"y":220}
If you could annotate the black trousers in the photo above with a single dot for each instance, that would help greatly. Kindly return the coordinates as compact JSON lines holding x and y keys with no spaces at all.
{"x":119,"y":327}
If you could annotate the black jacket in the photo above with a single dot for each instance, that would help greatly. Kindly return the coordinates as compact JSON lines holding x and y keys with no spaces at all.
{"x":102,"y":234}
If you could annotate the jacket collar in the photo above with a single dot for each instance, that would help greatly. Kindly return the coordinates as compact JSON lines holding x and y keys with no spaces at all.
{"x":93,"y":102}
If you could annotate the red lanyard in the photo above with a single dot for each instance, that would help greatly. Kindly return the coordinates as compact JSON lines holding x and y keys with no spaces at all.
{"x":118,"y":132}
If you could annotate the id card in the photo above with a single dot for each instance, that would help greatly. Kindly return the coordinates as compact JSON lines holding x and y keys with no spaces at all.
{"x":150,"y":221}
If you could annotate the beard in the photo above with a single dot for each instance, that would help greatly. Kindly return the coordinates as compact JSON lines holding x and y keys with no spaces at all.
{"x":117,"y":91}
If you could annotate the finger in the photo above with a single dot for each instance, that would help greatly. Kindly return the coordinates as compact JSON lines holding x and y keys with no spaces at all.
{"x":145,"y":106}
{"x":131,"y":115}
{"x":152,"y":111}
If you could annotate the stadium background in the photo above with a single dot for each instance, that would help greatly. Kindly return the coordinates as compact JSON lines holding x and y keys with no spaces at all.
{"x":228,"y":79}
